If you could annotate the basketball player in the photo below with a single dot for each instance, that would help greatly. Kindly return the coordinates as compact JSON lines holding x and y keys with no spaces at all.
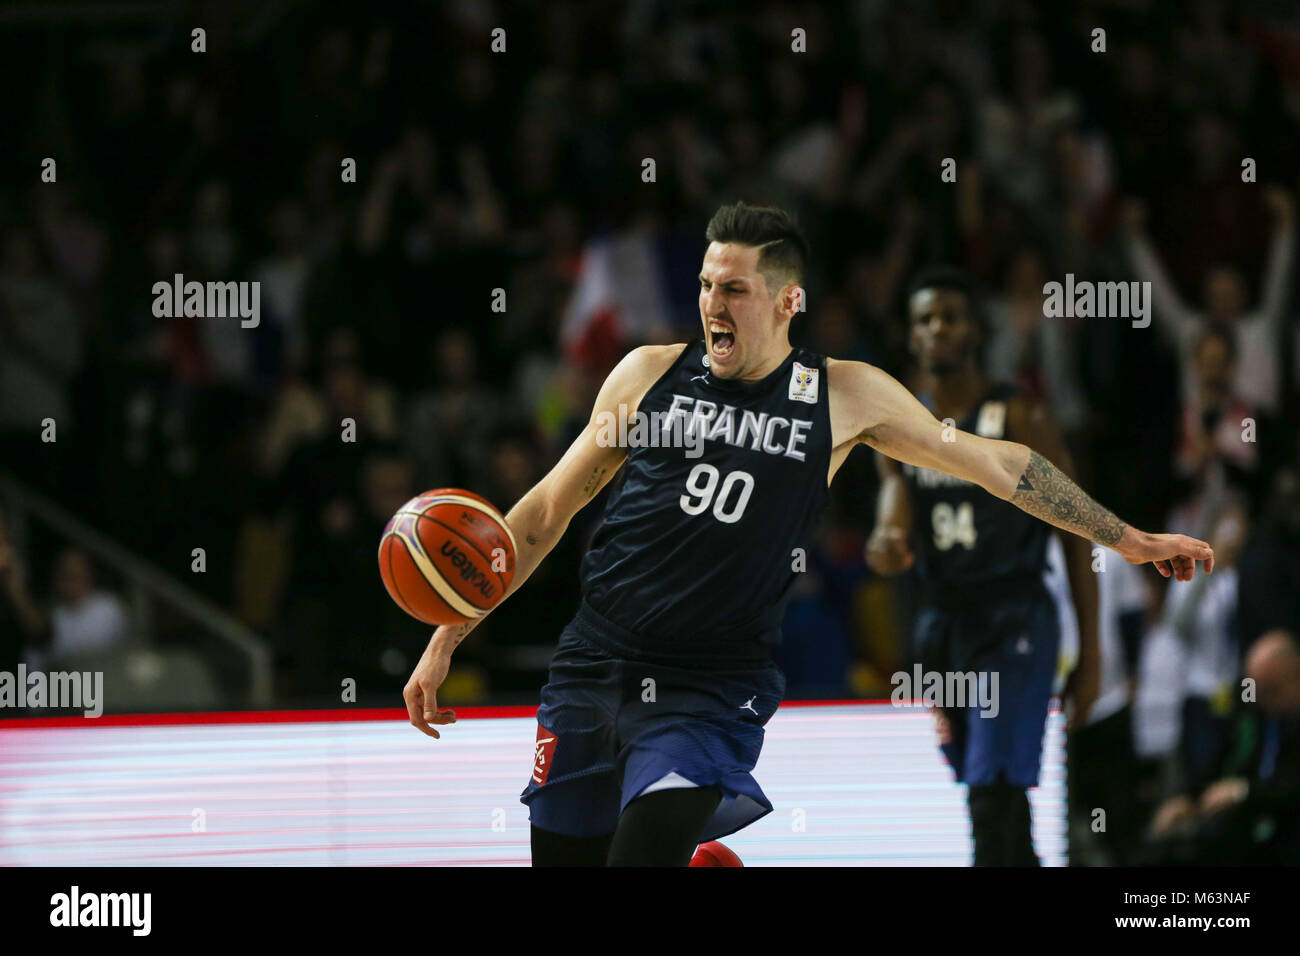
{"x":985,"y":608}
{"x":660,"y":687}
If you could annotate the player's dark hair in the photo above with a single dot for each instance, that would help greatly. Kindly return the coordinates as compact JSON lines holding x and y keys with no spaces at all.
{"x":953,"y":279}
{"x":784,"y":254}
{"x":948,"y":278}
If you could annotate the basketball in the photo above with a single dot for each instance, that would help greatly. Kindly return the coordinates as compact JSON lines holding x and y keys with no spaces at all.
{"x":447,"y":557}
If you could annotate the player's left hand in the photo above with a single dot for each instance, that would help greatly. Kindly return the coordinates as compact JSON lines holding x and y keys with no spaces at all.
{"x":1174,"y":555}
{"x":1081,"y":692}
{"x":421,"y":691}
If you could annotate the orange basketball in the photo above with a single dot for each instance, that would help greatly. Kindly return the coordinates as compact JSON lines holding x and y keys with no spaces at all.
{"x":447,"y":557}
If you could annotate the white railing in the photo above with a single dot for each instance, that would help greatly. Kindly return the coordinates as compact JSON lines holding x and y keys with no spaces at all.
{"x":144,"y":581}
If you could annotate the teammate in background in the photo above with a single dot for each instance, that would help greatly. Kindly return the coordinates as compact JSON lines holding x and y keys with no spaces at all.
{"x":985,"y":607}
{"x":660,"y":687}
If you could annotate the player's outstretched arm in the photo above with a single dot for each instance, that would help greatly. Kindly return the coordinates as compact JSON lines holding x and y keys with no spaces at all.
{"x":539,"y":519}
{"x":877,"y":411}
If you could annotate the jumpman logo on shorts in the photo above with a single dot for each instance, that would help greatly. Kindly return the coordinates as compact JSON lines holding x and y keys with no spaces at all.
{"x":749,"y":705}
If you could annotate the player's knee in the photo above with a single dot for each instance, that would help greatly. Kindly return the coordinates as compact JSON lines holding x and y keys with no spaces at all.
{"x":663,"y":828}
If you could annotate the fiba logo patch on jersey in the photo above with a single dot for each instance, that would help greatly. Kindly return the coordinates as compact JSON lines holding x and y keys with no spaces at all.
{"x":543,"y":755}
{"x":803,"y":384}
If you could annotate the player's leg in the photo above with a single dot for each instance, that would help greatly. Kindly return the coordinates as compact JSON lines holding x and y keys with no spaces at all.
{"x":573,"y":797}
{"x":686,"y":756}
{"x":1000,"y":823}
{"x":1004,"y":750}
{"x":572,"y":821}
{"x":663,"y":828}
{"x":937,"y":631}
{"x":987,"y":815}
{"x":988,"y":804}
{"x":556,"y":849}
{"x":1018,"y":845}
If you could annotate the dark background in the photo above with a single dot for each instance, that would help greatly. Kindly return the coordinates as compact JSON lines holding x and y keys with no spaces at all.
{"x":479,"y":170}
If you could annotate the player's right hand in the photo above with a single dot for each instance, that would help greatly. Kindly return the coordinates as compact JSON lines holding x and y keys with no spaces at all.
{"x":888,"y":552}
{"x":1174,"y":555}
{"x":421,"y":691}
{"x":1081,"y":691}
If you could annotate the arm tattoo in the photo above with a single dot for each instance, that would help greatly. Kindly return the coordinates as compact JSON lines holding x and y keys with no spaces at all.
{"x":593,"y":483}
{"x":531,"y":539}
{"x":1046,"y":492}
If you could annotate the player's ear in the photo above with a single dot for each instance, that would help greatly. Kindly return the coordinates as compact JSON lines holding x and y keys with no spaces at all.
{"x":791,"y":298}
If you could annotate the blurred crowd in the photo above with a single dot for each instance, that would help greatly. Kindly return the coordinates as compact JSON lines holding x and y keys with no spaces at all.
{"x":479,"y":171}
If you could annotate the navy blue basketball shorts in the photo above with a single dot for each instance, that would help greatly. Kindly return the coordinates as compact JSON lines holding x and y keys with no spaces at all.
{"x":1018,"y":641}
{"x":610,"y":729}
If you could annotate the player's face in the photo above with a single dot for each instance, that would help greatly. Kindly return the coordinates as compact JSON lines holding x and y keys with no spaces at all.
{"x":943,"y":334}
{"x":743,"y":322}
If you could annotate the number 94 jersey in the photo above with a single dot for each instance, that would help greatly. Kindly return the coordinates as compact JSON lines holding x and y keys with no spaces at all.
{"x":965,"y":537}
{"x":712,"y":516}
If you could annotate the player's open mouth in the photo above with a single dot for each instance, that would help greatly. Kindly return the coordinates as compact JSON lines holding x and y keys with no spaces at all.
{"x":721,"y":340}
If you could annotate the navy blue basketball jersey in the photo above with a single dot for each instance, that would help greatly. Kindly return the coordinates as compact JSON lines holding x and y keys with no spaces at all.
{"x":697,"y":550}
{"x":966,"y":538}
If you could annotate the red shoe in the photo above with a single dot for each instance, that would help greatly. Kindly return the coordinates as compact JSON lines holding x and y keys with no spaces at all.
{"x":714,"y":854}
